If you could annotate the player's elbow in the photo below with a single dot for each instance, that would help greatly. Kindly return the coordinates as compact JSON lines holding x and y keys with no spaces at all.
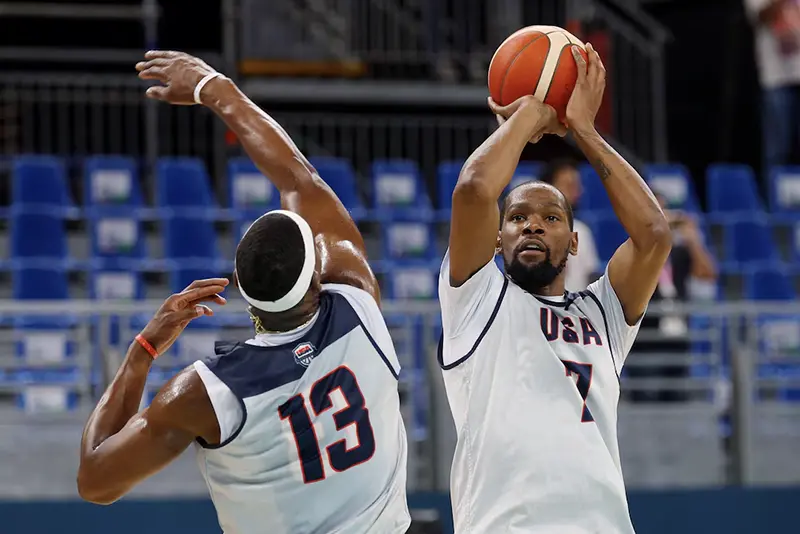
{"x":92,"y":490}
{"x":472,"y":188}
{"x":659,"y":236}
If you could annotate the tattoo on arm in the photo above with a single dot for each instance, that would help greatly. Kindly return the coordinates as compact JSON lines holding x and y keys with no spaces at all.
{"x":603,"y":171}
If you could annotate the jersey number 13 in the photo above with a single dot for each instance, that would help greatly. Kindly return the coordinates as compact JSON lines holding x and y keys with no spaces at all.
{"x":340,"y":457}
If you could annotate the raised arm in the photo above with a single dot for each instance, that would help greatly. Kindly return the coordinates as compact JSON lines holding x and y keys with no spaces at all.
{"x":636,"y":265}
{"x":487,"y":172}
{"x":121,"y":447}
{"x":344,"y":258}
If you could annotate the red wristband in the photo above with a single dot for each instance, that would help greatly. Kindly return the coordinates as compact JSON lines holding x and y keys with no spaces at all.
{"x":147,"y":346}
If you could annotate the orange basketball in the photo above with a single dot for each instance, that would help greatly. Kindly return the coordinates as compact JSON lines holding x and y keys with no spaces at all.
{"x":536,"y":60}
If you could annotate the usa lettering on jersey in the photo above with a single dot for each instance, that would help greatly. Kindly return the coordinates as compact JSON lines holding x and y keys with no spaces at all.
{"x":564,"y":329}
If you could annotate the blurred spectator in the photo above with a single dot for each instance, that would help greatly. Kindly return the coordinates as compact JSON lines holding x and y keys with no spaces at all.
{"x":581,"y":269}
{"x":777,"y":34}
{"x":690,"y":261}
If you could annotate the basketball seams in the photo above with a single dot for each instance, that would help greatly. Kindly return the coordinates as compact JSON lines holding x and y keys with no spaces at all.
{"x":549,"y":85}
{"x":514,"y":59}
{"x":550,"y":66}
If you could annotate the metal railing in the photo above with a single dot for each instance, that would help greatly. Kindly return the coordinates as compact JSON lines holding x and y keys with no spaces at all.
{"x":79,"y":115}
{"x":726,"y":416}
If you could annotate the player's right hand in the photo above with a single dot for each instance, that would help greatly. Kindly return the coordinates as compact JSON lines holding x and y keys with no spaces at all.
{"x":180,"y":309}
{"x":545,"y":115}
{"x":177,"y":71}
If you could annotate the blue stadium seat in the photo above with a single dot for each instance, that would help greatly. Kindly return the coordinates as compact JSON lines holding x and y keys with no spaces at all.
{"x":731,"y":190}
{"x":339,"y":175}
{"x":408,"y":240}
{"x":446,"y":180}
{"x":39,"y":185}
{"x":594,"y":199}
{"x":111,"y":186}
{"x":608,"y":234}
{"x":39,"y":283}
{"x":768,"y":281}
{"x":398,"y":190}
{"x":249,"y":191}
{"x":192,"y":242}
{"x":748,"y":240}
{"x":675,"y":184}
{"x":411,"y":279}
{"x":183,"y":187}
{"x":38,"y":238}
{"x":777,"y":331}
{"x":784,"y":193}
{"x":447,"y":177}
{"x":116,"y":284}
{"x":49,"y":377}
{"x":118,"y":241}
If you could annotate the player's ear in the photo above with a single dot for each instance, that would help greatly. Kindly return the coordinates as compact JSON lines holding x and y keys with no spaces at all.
{"x":573,"y":245}
{"x":498,"y":246}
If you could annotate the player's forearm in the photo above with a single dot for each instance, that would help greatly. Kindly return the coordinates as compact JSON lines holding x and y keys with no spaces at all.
{"x":264,"y":140}
{"x":632,"y":200}
{"x":117,"y":406}
{"x":490,"y":168}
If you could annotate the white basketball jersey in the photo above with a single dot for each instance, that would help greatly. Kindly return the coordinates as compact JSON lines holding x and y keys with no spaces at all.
{"x":533,"y":386}
{"x":312,"y":436}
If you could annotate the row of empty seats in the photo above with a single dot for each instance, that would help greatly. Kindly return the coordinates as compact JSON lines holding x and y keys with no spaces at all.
{"x":395,"y":188}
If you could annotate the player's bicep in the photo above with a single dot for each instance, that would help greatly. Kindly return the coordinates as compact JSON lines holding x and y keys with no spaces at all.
{"x":634,"y":273}
{"x":150,"y":440}
{"x":473,"y":230}
{"x":343,"y":253}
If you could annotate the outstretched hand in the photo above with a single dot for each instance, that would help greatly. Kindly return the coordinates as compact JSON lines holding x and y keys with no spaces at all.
{"x":588,"y":93}
{"x":180,"y":309}
{"x":177,"y":71}
{"x":546,"y":116}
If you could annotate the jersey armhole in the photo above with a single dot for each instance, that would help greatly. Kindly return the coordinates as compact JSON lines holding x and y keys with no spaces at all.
{"x":230,"y":410}
{"x":462,"y":359}
{"x":372,"y":322}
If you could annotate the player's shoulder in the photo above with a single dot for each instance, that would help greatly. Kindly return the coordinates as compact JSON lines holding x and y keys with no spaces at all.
{"x":370,"y":317}
{"x":184,"y":402}
{"x":361,"y":302}
{"x":351,"y":293}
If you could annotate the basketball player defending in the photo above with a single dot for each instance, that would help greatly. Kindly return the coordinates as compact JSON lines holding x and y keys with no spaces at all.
{"x":531,"y":372}
{"x":298,"y":429}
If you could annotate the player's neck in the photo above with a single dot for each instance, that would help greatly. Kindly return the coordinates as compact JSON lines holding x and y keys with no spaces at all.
{"x":556,"y":289}
{"x":278,"y":323}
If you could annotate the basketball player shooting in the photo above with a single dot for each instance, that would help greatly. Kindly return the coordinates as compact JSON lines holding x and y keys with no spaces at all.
{"x":299,"y":428}
{"x":531,"y":372}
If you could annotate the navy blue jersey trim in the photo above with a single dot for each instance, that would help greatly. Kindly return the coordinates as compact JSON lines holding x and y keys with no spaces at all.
{"x":233,"y":436}
{"x":250,"y":370}
{"x":605,"y":322}
{"x":557,"y":303}
{"x":440,"y":349}
{"x":395,"y":372}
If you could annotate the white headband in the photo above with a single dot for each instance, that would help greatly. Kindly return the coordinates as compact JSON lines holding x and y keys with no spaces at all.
{"x":296,"y":294}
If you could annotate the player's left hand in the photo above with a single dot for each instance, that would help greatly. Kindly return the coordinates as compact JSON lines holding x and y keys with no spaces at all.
{"x":177,"y":71}
{"x":545,"y":116}
{"x":180,"y":309}
{"x":588,"y":93}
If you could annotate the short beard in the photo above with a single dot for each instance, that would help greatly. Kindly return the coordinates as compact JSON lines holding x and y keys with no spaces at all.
{"x":536,"y":277}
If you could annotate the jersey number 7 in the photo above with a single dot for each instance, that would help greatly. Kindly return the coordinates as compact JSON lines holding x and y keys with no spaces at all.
{"x":340,"y":457}
{"x":584,"y":373}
